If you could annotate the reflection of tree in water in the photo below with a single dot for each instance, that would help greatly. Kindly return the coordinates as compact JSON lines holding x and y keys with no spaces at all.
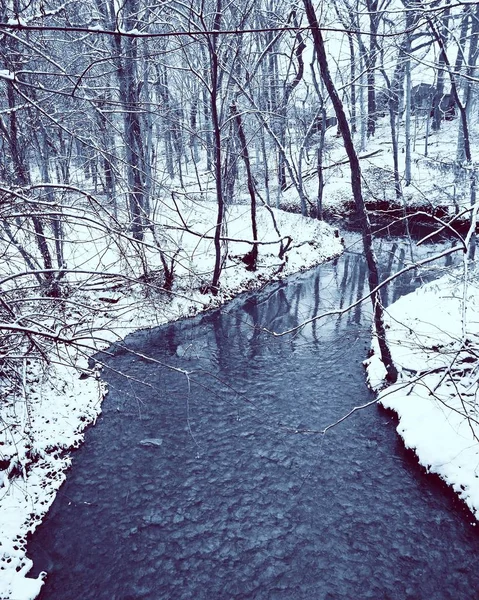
{"x":394,"y":256}
{"x":332,"y":286}
{"x":344,"y":279}
{"x":387,"y":272}
{"x":317,"y":288}
{"x":403,"y":280}
{"x":223,"y":335}
{"x":351,"y":278}
{"x":206,"y":346}
{"x":360,"y":290}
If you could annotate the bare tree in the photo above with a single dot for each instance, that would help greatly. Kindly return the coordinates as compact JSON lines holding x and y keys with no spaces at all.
{"x":373,"y":277}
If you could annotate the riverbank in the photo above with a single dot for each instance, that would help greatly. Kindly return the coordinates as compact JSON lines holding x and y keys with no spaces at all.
{"x":433,"y":334}
{"x":221,"y":485}
{"x":45,"y":419}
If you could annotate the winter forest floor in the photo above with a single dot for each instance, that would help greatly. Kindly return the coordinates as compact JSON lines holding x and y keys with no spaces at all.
{"x":434,"y":336}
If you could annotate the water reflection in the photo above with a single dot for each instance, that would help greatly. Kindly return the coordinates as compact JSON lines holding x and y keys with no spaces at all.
{"x":215,"y":482}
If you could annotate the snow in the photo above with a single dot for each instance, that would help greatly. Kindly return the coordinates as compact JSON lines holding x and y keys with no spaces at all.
{"x":433,"y":332}
{"x":433,"y":335}
{"x":17,"y":20}
{"x":23,"y":588}
{"x":47,"y":418}
{"x":4,"y":74}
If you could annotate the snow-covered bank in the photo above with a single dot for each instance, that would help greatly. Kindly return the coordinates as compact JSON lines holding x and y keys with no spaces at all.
{"x":48,"y":414}
{"x":434,"y":338}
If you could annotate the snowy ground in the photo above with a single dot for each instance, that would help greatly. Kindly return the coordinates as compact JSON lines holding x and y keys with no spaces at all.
{"x":433,"y":332}
{"x":434,"y":337}
{"x":436,"y":180}
{"x":43,"y":421}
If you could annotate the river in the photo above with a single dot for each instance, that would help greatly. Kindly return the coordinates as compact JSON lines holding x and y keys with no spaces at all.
{"x":208,"y":475}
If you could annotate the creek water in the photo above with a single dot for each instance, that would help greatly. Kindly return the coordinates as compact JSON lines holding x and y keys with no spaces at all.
{"x":207,"y":475}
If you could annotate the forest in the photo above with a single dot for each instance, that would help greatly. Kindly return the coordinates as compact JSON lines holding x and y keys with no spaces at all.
{"x":157,"y":159}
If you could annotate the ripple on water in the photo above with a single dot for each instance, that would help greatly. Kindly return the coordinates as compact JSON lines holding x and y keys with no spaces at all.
{"x":206,"y":490}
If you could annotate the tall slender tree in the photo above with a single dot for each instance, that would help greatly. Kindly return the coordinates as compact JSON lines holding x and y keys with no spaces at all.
{"x":373,"y":274}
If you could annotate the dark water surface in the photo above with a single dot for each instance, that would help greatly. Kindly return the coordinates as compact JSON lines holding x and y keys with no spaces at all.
{"x":217,"y":484}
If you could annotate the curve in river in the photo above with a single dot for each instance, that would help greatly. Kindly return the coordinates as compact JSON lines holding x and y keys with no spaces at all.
{"x":218,"y":484}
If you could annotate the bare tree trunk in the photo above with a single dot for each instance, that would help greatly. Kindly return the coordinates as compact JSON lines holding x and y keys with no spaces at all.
{"x":126,"y":49}
{"x":194,"y":130}
{"x":392,"y":108}
{"x":464,"y":128}
{"x":206,"y":105}
{"x":357,"y":192}
{"x":252,"y":256}
{"x":265,"y":167}
{"x":108,"y":166}
{"x":362,"y":110}
{"x":163,"y":92}
{"x":319,"y":200}
{"x":468,"y":80}
{"x":214,"y":59}
{"x":371,"y":58}
{"x":56,"y":221}
{"x":287,"y":92}
{"x":147,"y":128}
{"x":352,"y":67}
{"x":407,"y":133}
{"x":230,"y":169}
{"x":437,"y":114}
{"x":322,"y":112}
